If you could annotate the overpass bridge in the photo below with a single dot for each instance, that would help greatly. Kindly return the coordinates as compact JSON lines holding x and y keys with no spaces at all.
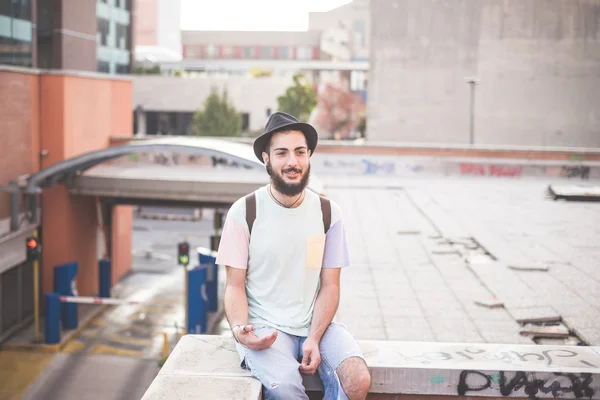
{"x":75,"y":202}
{"x":208,"y":185}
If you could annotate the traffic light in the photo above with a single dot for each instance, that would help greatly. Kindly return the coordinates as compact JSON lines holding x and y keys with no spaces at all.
{"x":183,"y":253}
{"x":33,"y":248}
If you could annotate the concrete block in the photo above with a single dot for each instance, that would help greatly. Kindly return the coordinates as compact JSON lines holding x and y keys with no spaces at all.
{"x":190,"y":387}
{"x":207,"y":363}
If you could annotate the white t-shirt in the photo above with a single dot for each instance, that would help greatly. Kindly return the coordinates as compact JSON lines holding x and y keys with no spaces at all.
{"x":283,"y":257}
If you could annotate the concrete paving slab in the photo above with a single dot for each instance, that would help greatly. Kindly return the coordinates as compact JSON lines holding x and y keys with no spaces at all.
{"x":93,"y":377}
{"x":535,"y":314}
{"x":523,"y":228}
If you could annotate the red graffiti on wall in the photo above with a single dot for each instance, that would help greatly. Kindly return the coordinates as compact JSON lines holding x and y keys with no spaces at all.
{"x":491,"y":170}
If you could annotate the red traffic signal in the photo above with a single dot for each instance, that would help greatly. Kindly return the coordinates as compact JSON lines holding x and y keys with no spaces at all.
{"x":33,"y":248}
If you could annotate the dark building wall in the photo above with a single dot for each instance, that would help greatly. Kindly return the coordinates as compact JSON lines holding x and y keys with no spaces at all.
{"x":538,"y":62}
{"x":19,"y":130}
{"x":77,"y":38}
{"x":66,"y":34}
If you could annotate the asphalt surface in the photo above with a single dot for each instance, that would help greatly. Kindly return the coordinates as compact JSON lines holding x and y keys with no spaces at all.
{"x":117,"y":355}
{"x":423,"y":252}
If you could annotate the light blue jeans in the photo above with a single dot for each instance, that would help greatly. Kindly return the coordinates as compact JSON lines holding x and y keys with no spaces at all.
{"x":277,"y":366}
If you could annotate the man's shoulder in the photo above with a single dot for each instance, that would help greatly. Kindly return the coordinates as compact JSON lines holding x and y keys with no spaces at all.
{"x":238,"y":208}
{"x":336,"y":211}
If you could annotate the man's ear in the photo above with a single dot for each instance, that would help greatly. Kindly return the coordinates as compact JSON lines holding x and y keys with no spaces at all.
{"x":265,"y":157}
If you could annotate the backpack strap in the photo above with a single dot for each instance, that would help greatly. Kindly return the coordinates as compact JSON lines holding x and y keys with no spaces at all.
{"x":250,"y":210}
{"x":326,"y":211}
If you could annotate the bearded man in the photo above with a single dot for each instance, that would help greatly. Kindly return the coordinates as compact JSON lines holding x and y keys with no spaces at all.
{"x":284,"y":248}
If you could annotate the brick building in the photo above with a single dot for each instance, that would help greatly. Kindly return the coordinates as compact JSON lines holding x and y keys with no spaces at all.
{"x":54,"y":105}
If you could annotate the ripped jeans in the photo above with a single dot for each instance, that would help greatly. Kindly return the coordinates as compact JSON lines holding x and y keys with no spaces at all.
{"x":277,"y":366}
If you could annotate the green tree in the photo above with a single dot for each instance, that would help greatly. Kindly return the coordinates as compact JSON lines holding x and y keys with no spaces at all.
{"x":217,"y":118}
{"x":298,"y":100}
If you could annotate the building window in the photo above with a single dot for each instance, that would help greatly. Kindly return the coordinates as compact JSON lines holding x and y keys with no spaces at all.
{"x":20,"y":9}
{"x":113,"y":36}
{"x":103,"y":31}
{"x":249,"y":52}
{"x":15,"y":52}
{"x":358,"y":26}
{"x":122,"y":36}
{"x":15,"y":32}
{"x":193,"y":51}
{"x":211,"y":51}
{"x":103,"y":66}
{"x":304,"y":53}
{"x":267,"y":53}
{"x":285,"y":52}
{"x":122,"y":68}
{"x":227,"y":51}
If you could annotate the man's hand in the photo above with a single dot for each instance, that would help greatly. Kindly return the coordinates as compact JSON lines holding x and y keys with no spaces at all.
{"x":311,"y":357}
{"x":246,"y":336}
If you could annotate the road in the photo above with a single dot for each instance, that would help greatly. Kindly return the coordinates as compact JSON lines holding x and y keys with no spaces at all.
{"x":117,"y":355}
{"x":423,"y":252}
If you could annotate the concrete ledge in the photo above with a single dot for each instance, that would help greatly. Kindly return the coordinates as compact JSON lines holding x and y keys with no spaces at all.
{"x":430,"y":149}
{"x":400,"y":368}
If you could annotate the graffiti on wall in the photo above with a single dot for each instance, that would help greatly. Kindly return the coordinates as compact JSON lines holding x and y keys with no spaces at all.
{"x":174,"y":158}
{"x":362,"y":166}
{"x":575,"y":171}
{"x":560,"y":385}
{"x":547,"y":358}
{"x":475,"y":169}
{"x":371,"y":167}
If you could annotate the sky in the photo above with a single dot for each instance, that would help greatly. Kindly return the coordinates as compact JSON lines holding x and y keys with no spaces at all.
{"x":251,"y":15}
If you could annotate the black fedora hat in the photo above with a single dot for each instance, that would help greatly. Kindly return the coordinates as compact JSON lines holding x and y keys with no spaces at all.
{"x":280,"y":121}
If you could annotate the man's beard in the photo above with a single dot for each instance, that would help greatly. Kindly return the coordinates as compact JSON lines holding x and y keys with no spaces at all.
{"x":285,"y":188}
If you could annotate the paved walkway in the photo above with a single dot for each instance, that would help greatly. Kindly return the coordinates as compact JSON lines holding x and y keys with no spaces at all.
{"x":407,"y":283}
{"x":74,"y":377}
{"x":18,"y":369}
{"x":415,"y":276}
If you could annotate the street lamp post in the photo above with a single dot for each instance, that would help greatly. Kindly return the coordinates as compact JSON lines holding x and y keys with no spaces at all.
{"x":472,"y":81}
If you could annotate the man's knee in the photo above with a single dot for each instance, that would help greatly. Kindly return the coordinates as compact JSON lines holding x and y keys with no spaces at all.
{"x":287,"y":387}
{"x":354,"y":377}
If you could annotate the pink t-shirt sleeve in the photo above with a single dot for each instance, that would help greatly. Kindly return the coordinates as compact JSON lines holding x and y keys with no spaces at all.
{"x":233,"y":247}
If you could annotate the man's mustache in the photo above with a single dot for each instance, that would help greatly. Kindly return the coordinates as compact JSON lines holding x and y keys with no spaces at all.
{"x":296,"y":170}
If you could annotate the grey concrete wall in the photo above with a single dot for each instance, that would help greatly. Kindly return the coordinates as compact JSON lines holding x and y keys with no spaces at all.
{"x":538,"y":62}
{"x":250,"y":95}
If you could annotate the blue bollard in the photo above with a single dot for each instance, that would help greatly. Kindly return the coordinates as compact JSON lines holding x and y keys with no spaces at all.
{"x":51,"y":319}
{"x":197,"y":303}
{"x":64,"y":285}
{"x":212,"y":287}
{"x":104,"y":278}
{"x":206,"y":258}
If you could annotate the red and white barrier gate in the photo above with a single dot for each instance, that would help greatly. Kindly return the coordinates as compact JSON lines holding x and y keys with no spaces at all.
{"x":96,"y":300}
